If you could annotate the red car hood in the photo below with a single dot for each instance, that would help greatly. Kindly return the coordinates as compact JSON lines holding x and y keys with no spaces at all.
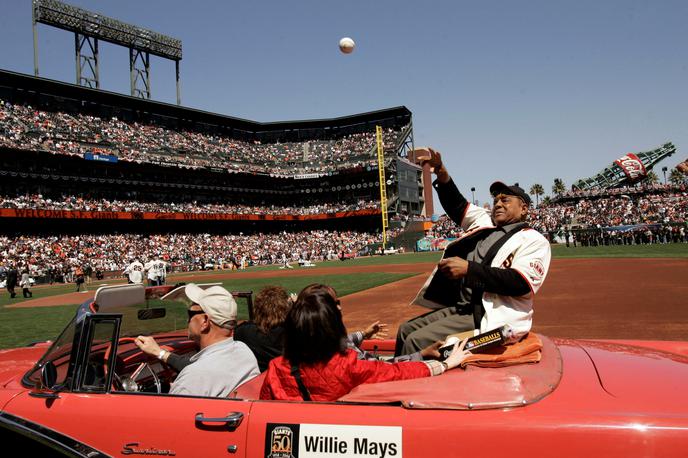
{"x":645,"y":379}
{"x":14,"y":363}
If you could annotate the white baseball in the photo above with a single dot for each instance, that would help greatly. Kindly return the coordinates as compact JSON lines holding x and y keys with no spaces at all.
{"x":346,"y":45}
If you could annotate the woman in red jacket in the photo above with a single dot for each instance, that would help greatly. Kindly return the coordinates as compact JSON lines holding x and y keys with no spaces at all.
{"x":316,"y":364}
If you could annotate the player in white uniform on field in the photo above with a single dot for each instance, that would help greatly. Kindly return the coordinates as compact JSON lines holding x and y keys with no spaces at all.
{"x":162,"y":270}
{"x":135,"y":272}
{"x":152,"y":272}
{"x":285,"y":262}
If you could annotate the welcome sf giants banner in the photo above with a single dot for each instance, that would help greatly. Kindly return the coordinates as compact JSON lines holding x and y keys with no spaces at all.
{"x":78,"y":214}
{"x":632,"y":167}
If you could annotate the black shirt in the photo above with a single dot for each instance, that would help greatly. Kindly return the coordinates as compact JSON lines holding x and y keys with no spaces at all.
{"x":264,"y":346}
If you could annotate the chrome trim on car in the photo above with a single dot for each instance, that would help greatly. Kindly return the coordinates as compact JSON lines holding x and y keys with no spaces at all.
{"x":131,"y":448}
{"x":232,"y":419}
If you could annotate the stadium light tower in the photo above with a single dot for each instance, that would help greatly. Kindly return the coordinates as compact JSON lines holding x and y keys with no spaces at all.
{"x":89,"y":28}
{"x":473,"y":196}
{"x":664,"y":169}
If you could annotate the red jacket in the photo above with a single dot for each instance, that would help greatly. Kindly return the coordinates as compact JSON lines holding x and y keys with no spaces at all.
{"x":332,"y":380}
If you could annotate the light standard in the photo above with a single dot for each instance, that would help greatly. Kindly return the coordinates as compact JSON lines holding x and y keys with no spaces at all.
{"x":473,"y":193}
{"x":664,"y":169}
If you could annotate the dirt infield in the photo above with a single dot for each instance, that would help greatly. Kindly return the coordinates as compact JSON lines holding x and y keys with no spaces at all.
{"x":582,"y":298}
{"x":615,"y":299}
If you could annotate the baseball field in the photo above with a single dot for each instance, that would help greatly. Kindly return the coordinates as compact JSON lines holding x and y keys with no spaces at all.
{"x":616,"y":292}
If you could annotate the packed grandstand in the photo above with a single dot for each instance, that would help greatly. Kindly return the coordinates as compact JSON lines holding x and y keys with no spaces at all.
{"x":57,"y":256}
{"x":154,"y":203}
{"x":97,"y":179}
{"x":77,"y":134}
{"x":93,"y":179}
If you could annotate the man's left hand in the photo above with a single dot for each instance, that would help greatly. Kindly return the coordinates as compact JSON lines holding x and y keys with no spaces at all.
{"x":432,"y":351}
{"x":376,"y":330}
{"x":454,"y":268}
{"x":148,"y":345}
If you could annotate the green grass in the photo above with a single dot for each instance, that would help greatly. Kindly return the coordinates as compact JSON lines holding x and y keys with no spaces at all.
{"x":37,"y":293}
{"x":344,"y":284}
{"x":20,"y":326}
{"x":670,"y":250}
{"x":50,"y":290}
{"x":406,"y":258}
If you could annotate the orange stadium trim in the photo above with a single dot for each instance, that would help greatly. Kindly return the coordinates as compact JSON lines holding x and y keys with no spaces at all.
{"x":78,"y":214}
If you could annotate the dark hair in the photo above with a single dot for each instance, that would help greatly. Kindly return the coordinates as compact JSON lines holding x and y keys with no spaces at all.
{"x":314,"y":330}
{"x":271,"y":307}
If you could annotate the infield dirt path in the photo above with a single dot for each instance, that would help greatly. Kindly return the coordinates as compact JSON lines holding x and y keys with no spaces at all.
{"x":581,"y":298}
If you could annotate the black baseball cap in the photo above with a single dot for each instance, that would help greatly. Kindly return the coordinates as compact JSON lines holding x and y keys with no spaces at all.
{"x":498,"y":187}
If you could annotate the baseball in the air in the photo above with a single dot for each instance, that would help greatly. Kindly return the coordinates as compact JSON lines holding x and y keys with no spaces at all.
{"x":346,"y":45}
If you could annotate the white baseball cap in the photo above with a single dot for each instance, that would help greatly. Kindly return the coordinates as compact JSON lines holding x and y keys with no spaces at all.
{"x":216,"y":302}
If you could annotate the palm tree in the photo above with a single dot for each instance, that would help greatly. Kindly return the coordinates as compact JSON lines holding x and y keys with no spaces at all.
{"x":559,"y":188}
{"x":652,"y":177}
{"x":546,"y":201}
{"x":676,"y":177}
{"x":537,"y":190}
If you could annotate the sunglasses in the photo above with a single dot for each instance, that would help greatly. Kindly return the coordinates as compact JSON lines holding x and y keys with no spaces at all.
{"x":193,"y":313}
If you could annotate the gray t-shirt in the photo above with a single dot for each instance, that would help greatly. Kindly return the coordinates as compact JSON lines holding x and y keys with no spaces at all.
{"x":217,"y":370}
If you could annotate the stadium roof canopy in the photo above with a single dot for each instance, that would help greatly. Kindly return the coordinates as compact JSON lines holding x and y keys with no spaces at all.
{"x":18,"y":86}
{"x":627,"y":170}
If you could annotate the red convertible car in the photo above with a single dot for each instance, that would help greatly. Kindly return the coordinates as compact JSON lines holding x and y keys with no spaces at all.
{"x":92,"y":393}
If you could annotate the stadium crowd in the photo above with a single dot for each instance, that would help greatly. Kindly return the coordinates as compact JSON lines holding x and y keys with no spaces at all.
{"x":74,"y":202}
{"x":24,"y":127}
{"x":639,"y":189}
{"x":613,"y":210}
{"x":445,"y":228}
{"x":58,"y":256}
{"x":631,"y":215}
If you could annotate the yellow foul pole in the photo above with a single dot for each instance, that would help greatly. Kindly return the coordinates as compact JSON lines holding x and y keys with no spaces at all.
{"x":383,"y":184}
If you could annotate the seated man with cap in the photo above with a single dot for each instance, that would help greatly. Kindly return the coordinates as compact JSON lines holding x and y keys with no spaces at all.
{"x":222,"y":364}
{"x":488,"y":277}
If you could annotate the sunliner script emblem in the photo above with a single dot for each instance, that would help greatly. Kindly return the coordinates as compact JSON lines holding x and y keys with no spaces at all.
{"x":132,"y":449}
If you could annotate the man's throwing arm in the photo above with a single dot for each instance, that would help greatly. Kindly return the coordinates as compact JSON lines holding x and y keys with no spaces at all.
{"x":466,"y":215}
{"x":453,"y":202}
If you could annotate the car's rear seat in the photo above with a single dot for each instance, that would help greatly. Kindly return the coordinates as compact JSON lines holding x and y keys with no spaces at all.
{"x":249,"y":390}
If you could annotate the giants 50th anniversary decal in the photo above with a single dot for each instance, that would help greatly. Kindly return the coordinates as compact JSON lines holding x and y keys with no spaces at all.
{"x":288,"y":440}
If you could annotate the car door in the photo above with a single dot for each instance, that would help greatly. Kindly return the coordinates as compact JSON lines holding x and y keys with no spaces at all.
{"x":139,"y":424}
{"x":87,"y":409}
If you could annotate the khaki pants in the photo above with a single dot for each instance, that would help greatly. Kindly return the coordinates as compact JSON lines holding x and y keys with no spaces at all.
{"x":418,"y":333}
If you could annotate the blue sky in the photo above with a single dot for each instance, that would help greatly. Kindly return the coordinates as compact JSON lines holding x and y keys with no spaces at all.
{"x":518,"y":91}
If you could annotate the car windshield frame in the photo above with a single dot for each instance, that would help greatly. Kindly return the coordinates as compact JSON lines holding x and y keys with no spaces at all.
{"x":62,"y":347}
